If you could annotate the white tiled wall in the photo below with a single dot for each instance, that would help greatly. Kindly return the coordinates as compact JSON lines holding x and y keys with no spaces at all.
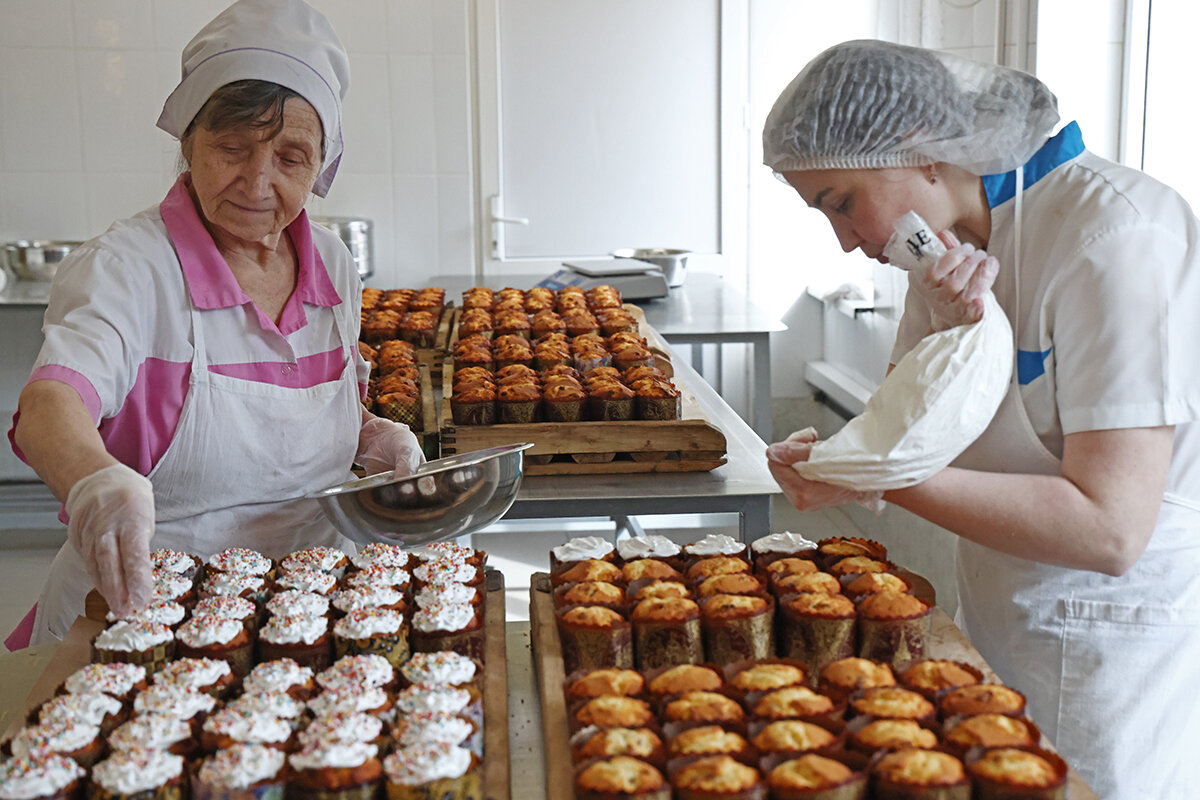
{"x":83,"y":81}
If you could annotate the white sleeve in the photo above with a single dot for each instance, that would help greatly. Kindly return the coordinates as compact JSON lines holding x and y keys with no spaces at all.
{"x":914,"y":323}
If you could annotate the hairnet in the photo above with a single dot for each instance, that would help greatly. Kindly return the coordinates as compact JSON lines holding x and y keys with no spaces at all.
{"x":282,"y":41}
{"x":870,"y":104}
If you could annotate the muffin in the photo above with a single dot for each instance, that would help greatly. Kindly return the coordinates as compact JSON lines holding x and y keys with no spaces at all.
{"x":148,"y":644}
{"x":474,"y":405}
{"x":292,"y":603}
{"x":212,"y":676}
{"x":891,"y":734}
{"x":892,"y":702}
{"x":140,"y":773}
{"x":869,"y":583}
{"x":210,"y":636}
{"x":278,"y":704}
{"x":644,"y":589}
{"x":666,"y":631}
{"x":654,"y":399}
{"x":232,"y":726}
{"x":641,"y":743}
{"x":835,"y":548}
{"x":432,"y":770}
{"x":712,"y":777}
{"x":893,"y":628}
{"x":597,"y":682}
{"x":649,"y":568}
{"x":709,"y":567}
{"x":914,"y":772}
{"x":856,"y":565}
{"x":793,"y":736}
{"x":983,"y":698}
{"x":163,"y":612}
{"x":340,"y":771}
{"x":375,"y":631}
{"x":438,"y":726}
{"x":682,"y":679}
{"x":41,"y":776}
{"x":365,"y":669}
{"x":240,"y":561}
{"x":181,"y":702}
{"x":735,"y":583}
{"x":350,"y":727}
{"x":75,"y":740}
{"x":563,"y":400}
{"x":709,"y":740}
{"x":772,"y":547}
{"x":795,"y":702}
{"x":635,"y":548}
{"x":440,"y":626}
{"x":1009,"y":772}
{"x":238,"y":608}
{"x":326,"y":559}
{"x":840,"y":678}
{"x":302,"y":638}
{"x":620,"y":777}
{"x":717,"y":544}
{"x":281,"y":675}
{"x":815,"y":777}
{"x":441,"y":667}
{"x":787,"y":565}
{"x":241,"y":772}
{"x":613,"y":711}
{"x":118,"y":679}
{"x":934,"y":676}
{"x":88,"y":708}
{"x":235,"y":584}
{"x":738,"y":627}
{"x":610,"y":401}
{"x":991,"y":730}
{"x":347,"y":600}
{"x":704,"y":708}
{"x":811,"y":583}
{"x":754,"y":678}
{"x":590,"y":593}
{"x":378,"y":553}
{"x":590,"y":570}
{"x":594,"y":636}
{"x":419,"y":328}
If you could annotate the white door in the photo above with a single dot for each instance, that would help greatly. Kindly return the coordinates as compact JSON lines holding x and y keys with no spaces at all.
{"x":604,"y":124}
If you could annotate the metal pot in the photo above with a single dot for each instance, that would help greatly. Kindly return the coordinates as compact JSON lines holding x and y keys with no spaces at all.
{"x":673,"y":263}
{"x":36,"y":261}
{"x":356,"y":233}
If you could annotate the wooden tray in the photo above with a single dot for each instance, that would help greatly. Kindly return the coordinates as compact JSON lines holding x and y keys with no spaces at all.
{"x":692,"y":443}
{"x":946,"y":641}
{"x":75,"y":652}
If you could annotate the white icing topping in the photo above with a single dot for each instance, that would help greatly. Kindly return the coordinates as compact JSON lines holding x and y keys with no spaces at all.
{"x":289,"y":629}
{"x":275,"y":704}
{"x":228,"y":583}
{"x":422,"y":763}
{"x":445,"y":593}
{"x":443,"y":617}
{"x":382,"y":554}
{"x":60,"y":736}
{"x":348,"y":698}
{"x":379,"y":575}
{"x":37,"y":776}
{"x":295,"y":603}
{"x":132,"y":637}
{"x":164,"y":612}
{"x":226,"y":606}
{"x":130,"y":771}
{"x":241,"y":766}
{"x":427,"y":697}
{"x":366,"y":669}
{"x":157,"y":731}
{"x":367,"y":597}
{"x":785,"y":542}
{"x":240,"y":560}
{"x":443,"y":571}
{"x":242,"y":726}
{"x":307,"y":579}
{"x":116,"y":679}
{"x":169,"y":585}
{"x":432,"y":726}
{"x":279,"y":675}
{"x":208,"y":629}
{"x":88,"y":707}
{"x":442,"y":551}
{"x":176,"y":701}
{"x":366,"y":622}
{"x":444,"y":666}
{"x":333,"y":754}
{"x":716,"y":544}
{"x":582,"y":548}
{"x":172,"y":561}
{"x":342,"y":726}
{"x":323,"y":558}
{"x":646,"y":547}
{"x":196,"y":673}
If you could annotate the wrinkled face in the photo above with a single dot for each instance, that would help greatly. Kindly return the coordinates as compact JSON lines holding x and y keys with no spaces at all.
{"x":251,"y":187}
{"x":862,"y":204}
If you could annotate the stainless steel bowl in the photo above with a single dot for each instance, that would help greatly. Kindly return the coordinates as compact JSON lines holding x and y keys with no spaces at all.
{"x":36,"y":261}
{"x":443,"y":498}
{"x":356,"y":233}
{"x":673,"y":263}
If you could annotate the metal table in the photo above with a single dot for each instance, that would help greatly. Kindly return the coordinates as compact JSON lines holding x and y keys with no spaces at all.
{"x":706,"y":309}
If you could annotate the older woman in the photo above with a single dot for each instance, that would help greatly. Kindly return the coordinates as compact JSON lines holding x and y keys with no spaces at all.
{"x":200,"y":368}
{"x":1078,"y":509}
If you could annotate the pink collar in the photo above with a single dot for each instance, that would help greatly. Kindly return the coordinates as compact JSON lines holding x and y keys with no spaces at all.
{"x":211,"y":283}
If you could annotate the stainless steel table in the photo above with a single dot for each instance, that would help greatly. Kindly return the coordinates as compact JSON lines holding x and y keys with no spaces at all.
{"x":706,"y":309}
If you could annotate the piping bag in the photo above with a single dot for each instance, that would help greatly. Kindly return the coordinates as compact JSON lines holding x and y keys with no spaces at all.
{"x":939,"y":398}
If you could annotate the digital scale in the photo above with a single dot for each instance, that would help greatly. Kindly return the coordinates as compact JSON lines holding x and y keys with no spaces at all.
{"x":634,"y":279}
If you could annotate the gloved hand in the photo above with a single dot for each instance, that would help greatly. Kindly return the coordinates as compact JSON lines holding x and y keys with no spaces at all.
{"x":384,"y":445}
{"x":809,"y":495}
{"x":954,"y":286}
{"x":112,"y":522}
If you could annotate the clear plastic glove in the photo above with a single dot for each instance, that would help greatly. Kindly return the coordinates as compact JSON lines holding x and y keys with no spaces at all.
{"x":384,"y":445}
{"x":112,"y":522}
{"x":809,"y":495}
{"x":954,"y":286}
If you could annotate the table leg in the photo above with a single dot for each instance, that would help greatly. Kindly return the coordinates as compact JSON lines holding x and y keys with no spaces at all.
{"x":756,"y":517}
{"x":719,"y":385}
{"x":697,"y":353}
{"x":762,"y":423}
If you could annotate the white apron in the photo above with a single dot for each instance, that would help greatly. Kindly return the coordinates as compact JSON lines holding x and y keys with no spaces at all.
{"x":242,"y":453}
{"x":1110,"y":666}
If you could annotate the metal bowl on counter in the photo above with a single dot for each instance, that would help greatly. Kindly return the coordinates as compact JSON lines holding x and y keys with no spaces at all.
{"x":356,"y":234}
{"x":34,"y":260}
{"x":672,"y":262}
{"x":448,"y":497}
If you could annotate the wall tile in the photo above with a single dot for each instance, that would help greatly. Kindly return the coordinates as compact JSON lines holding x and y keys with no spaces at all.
{"x":362,"y":25}
{"x":40,"y":129}
{"x":452,"y":117}
{"x":126,"y":24}
{"x":957,"y":28}
{"x":118,"y":195}
{"x":450,"y":25}
{"x":414,"y":148}
{"x":416,"y":229}
{"x":455,"y":225}
{"x":370,"y":196}
{"x":46,"y":205}
{"x":45,"y":23}
{"x":175,"y":23}
{"x":410,"y":25}
{"x":119,"y":105}
{"x":366,"y":117}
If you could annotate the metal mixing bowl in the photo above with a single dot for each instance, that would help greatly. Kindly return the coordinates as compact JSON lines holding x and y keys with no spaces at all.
{"x":36,"y":261}
{"x":672,"y":262}
{"x":443,"y":498}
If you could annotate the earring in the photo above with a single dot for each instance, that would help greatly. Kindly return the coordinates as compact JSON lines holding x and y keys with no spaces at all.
{"x":932,"y":176}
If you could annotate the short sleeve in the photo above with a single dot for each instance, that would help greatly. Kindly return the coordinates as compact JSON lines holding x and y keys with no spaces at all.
{"x":1123,"y":322}
{"x":98,"y":322}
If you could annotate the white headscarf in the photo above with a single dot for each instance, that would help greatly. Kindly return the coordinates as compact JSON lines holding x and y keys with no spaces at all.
{"x":871,"y":104}
{"x":287,"y":42}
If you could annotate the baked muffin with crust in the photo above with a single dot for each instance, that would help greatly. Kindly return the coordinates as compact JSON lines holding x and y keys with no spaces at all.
{"x":892,"y":702}
{"x":992,"y":730}
{"x":641,"y":743}
{"x":594,"y":636}
{"x":766,"y":676}
{"x":621,"y":777}
{"x":1009,"y":772}
{"x":794,"y":702}
{"x":684,"y":678}
{"x":811,"y":583}
{"x":715,"y":776}
{"x":734,"y":583}
{"x":933,"y":676}
{"x":592,"y":569}
{"x":706,"y":707}
{"x":597,"y":682}
{"x":657,"y":588}
{"x":666,"y":630}
{"x":838,"y":547}
{"x":705,"y":568}
{"x":846,"y":675}
{"x":649,"y":568}
{"x":816,"y":628}
{"x":738,"y":627}
{"x":613,"y":711}
{"x":708,"y":740}
{"x":891,"y":734}
{"x":915,"y":769}
{"x":893,"y":627}
{"x":983,"y":698}
{"x":790,"y":565}
{"x":809,"y":775}
{"x":590,"y":593}
{"x":872,"y":582}
{"x":793,"y":736}
{"x":854,"y":565}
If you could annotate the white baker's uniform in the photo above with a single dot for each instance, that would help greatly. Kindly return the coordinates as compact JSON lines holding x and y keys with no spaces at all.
{"x":243,"y":450}
{"x":1107,"y":320}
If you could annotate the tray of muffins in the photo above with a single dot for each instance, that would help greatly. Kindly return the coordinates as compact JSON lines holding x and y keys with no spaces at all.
{"x":577,"y":373}
{"x":421,"y":317}
{"x":318,"y":675}
{"x":786,"y":670}
{"x":402,"y":389}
